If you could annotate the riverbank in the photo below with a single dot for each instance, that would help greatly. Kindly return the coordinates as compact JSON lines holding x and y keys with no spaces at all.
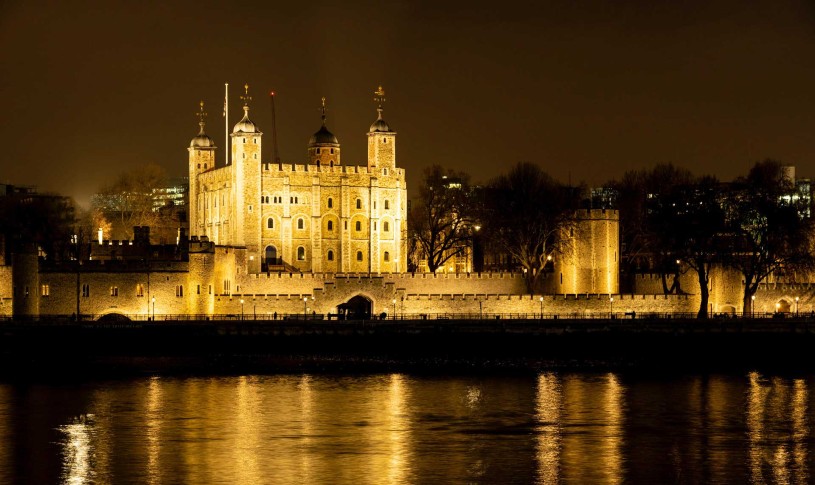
{"x":234,"y":347}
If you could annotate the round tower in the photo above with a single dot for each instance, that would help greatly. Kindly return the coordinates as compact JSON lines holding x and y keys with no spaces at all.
{"x":201,"y":158}
{"x":381,"y":139}
{"x":323,"y":146}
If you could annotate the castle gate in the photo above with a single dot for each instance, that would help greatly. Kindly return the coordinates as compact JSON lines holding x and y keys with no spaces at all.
{"x":357,"y":308}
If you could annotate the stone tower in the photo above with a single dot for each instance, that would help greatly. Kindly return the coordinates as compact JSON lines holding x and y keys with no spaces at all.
{"x":202,"y":158}
{"x":245,"y":213}
{"x":323,"y":147}
{"x":590,"y":261}
{"x":381,"y":140}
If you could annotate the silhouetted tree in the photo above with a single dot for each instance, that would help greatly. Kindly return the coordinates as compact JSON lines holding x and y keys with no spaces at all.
{"x":523,"y":213}
{"x":441,"y":220}
{"x":769,"y":232}
{"x":687,"y":223}
{"x":638,"y":196}
{"x":44,"y":220}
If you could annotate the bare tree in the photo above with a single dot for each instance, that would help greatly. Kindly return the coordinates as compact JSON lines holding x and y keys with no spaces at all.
{"x":768,"y":226}
{"x":524,"y":212}
{"x":133,"y":199}
{"x":441,"y":221}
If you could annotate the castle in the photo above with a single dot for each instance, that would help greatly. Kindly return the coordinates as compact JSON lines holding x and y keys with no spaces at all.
{"x":269,"y":239}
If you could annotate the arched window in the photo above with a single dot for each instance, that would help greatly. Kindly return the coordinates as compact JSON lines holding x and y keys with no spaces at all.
{"x":300,"y":224}
{"x":330,"y":225}
{"x":318,"y":151}
{"x":387,"y":204}
{"x":330,"y":203}
{"x":359,"y":226}
{"x":359,"y":255}
{"x":387,"y":256}
{"x":301,"y":253}
{"x":386,"y":226}
{"x":359,"y":203}
{"x":332,"y":151}
{"x":270,"y":223}
{"x":330,"y":255}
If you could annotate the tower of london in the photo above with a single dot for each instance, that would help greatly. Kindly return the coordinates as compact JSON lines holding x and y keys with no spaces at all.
{"x":322,"y":216}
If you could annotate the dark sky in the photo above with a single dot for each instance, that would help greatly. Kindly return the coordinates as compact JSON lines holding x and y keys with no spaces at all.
{"x":590,"y":89}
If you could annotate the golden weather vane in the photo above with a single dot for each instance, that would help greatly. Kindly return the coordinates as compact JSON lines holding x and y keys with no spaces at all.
{"x":201,"y":113}
{"x":380,"y":96}
{"x":322,"y":108}
{"x":246,"y":98}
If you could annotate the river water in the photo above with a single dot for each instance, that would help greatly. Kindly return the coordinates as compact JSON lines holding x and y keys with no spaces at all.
{"x":560,"y":427}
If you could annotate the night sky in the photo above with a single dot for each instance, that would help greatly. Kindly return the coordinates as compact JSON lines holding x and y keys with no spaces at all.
{"x":585,"y":89}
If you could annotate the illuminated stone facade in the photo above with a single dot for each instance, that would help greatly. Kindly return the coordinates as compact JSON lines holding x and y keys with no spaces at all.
{"x":321,"y":216}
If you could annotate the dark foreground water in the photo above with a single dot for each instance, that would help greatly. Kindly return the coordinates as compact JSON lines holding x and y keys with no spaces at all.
{"x":551,"y":428}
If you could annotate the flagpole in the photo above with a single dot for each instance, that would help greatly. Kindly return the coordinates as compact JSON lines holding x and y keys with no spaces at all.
{"x":226,"y":123}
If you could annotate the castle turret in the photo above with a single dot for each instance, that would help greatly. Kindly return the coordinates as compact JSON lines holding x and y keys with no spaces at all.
{"x":202,"y":158}
{"x":381,"y":139}
{"x":323,"y":146}
{"x":244,"y":216}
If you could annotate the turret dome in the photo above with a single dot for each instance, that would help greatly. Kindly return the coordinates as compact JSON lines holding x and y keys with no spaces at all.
{"x":379,"y":125}
{"x":323,"y":137}
{"x":202,"y":140}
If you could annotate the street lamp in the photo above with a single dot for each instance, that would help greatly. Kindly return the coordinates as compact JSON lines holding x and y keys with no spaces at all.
{"x":241,"y":308}
{"x":777,"y":307}
{"x":305,"y":307}
{"x":611,"y":306}
{"x":541,"y":300}
{"x":753,"y":306}
{"x":394,"y":308}
{"x":796,"y":306}
{"x":154,"y":308}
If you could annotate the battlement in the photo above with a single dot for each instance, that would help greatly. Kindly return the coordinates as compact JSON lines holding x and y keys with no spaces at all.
{"x":312,"y":168}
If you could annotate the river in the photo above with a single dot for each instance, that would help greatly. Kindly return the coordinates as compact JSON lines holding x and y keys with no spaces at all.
{"x":555,"y":427}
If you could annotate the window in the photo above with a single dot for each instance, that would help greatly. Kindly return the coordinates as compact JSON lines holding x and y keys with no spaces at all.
{"x":359,"y":226}
{"x":387,"y":204}
{"x":359,"y":203}
{"x":374,"y":204}
{"x":301,"y":253}
{"x":243,"y":155}
{"x":254,"y":140}
{"x":210,"y":289}
{"x":250,"y":208}
{"x":114,"y":291}
{"x":374,"y":225}
{"x":359,"y":255}
{"x":330,"y":255}
{"x":45,"y":290}
{"x":86,"y":291}
{"x":179,"y":291}
{"x":387,"y":256}
{"x":330,"y":203}
{"x":318,"y":151}
{"x":300,"y":224}
{"x":199,"y":165}
{"x":386,"y":226}
{"x":384,"y":172}
{"x":330,"y":225}
{"x":270,"y":223}
{"x":346,"y":225}
{"x":139,"y":290}
{"x":244,"y":140}
{"x":256,"y":156}
{"x":332,"y":151}
{"x":198,"y":290}
{"x":205,"y":166}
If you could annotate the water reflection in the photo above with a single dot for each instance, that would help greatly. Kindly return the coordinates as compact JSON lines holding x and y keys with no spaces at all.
{"x":553,"y":428}
{"x":777,"y":429}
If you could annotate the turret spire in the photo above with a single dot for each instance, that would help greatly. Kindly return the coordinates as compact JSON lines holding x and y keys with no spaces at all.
{"x":201,"y":115}
{"x":246,"y":98}
{"x":380,"y":99}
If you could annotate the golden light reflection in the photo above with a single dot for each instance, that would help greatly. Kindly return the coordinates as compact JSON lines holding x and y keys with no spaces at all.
{"x":247,"y":439}
{"x":756,"y":395}
{"x":614,"y":403}
{"x":153,"y":425}
{"x":548,"y":410}
{"x":77,"y":451}
{"x":800,"y":428}
{"x":306,"y":427}
{"x":397,"y":426}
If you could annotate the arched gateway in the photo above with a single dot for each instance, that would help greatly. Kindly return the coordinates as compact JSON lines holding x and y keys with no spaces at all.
{"x":357,"y":308}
